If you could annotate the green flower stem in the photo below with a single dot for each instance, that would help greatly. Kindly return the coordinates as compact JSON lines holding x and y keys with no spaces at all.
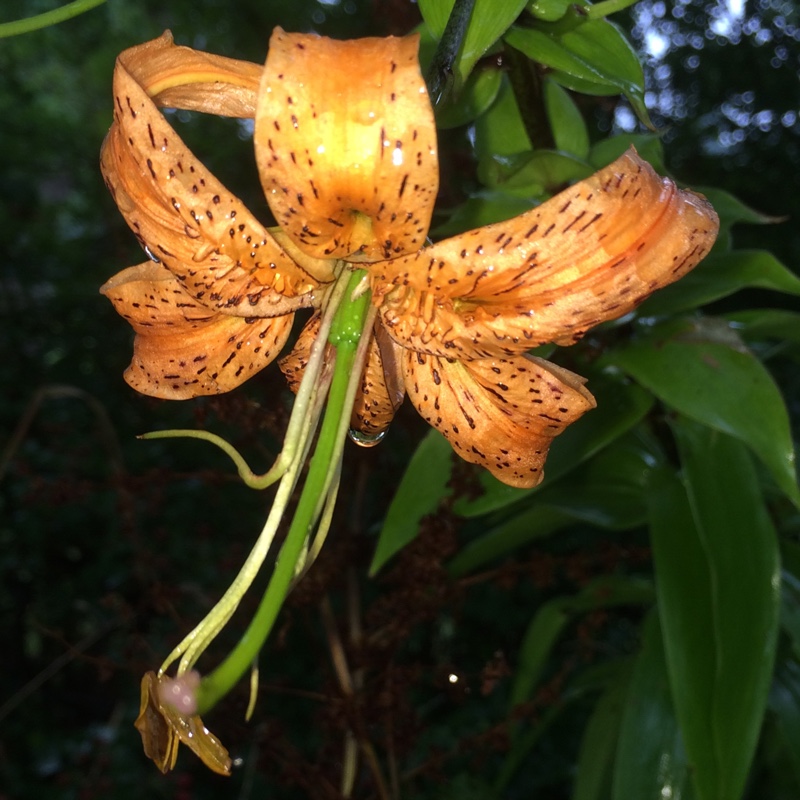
{"x":440,"y":77}
{"x":349,"y":336}
{"x":299,"y":434}
{"x":53,"y":17}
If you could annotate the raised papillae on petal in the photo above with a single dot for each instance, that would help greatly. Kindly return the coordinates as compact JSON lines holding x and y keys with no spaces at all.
{"x":590,"y":254}
{"x":346,"y":145}
{"x":501,"y":413}
{"x":182,"y":348}
{"x":181,"y":213}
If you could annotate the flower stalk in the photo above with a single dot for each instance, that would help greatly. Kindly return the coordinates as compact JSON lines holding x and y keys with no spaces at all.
{"x":349,"y":336}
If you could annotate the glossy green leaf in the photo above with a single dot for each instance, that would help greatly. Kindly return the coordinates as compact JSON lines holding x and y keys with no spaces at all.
{"x":599,"y":744}
{"x":620,"y":405}
{"x":423,"y":487}
{"x":548,"y":10}
{"x":720,"y":275}
{"x":697,"y":368}
{"x":566,"y":121}
{"x":490,"y":20}
{"x":650,"y":758}
{"x":716,"y":563}
{"x":595,"y":53}
{"x":473,"y":100}
{"x":539,"y":173}
{"x":606,"y":490}
{"x":500,"y":131}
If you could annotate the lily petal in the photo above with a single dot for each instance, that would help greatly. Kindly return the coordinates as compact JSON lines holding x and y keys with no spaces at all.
{"x":182,"y":349}
{"x":590,"y":254}
{"x":356,"y":113}
{"x":499,"y":413}
{"x":180,"y":77}
{"x":381,"y":392}
{"x":182,"y":213}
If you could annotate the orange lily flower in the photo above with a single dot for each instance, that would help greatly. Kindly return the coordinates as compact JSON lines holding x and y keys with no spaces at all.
{"x":345,"y":144}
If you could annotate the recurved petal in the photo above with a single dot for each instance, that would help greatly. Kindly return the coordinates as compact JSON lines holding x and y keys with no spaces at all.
{"x":346,"y":145}
{"x":180,"y":77}
{"x":185,"y":216}
{"x":381,"y":392}
{"x":590,"y":254}
{"x":499,"y":413}
{"x":294,"y":364}
{"x":182,"y":349}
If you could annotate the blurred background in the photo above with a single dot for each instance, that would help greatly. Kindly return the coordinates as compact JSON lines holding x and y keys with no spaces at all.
{"x":111,"y":548}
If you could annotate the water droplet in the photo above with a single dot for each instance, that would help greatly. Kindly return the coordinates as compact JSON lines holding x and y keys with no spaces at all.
{"x":366,"y":439}
{"x":150,"y":255}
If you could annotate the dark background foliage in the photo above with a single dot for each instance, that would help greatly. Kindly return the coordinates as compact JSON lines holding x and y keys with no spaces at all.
{"x":111,"y":548}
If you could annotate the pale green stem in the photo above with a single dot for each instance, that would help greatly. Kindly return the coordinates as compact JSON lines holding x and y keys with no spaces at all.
{"x":28,"y":24}
{"x":301,"y":428}
{"x":350,"y":336}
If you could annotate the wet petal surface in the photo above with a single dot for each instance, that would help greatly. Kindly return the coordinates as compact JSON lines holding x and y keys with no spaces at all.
{"x":346,"y":145}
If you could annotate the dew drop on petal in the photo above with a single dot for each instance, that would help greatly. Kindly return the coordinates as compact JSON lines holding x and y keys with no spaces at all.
{"x":365,"y":439}
{"x":150,"y":255}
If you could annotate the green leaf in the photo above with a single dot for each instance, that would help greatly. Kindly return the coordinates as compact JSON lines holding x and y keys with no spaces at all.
{"x":620,"y":405}
{"x":698,"y":369}
{"x":720,"y":275}
{"x":483,"y":208}
{"x":596,"y":53}
{"x":423,"y":487}
{"x":566,"y":121}
{"x":473,"y":100}
{"x":651,"y":760}
{"x":539,"y":173}
{"x":490,"y":20}
{"x":599,"y":743}
{"x":606,"y":490}
{"x":549,"y":10}
{"x":716,"y":563}
{"x":500,"y":131}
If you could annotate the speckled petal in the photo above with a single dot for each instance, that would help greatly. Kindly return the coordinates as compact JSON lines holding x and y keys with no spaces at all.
{"x":346,"y":145}
{"x":499,"y":413}
{"x":293,"y":365}
{"x":381,"y":392}
{"x":182,"y":349}
{"x":590,"y":254}
{"x":180,"y":211}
